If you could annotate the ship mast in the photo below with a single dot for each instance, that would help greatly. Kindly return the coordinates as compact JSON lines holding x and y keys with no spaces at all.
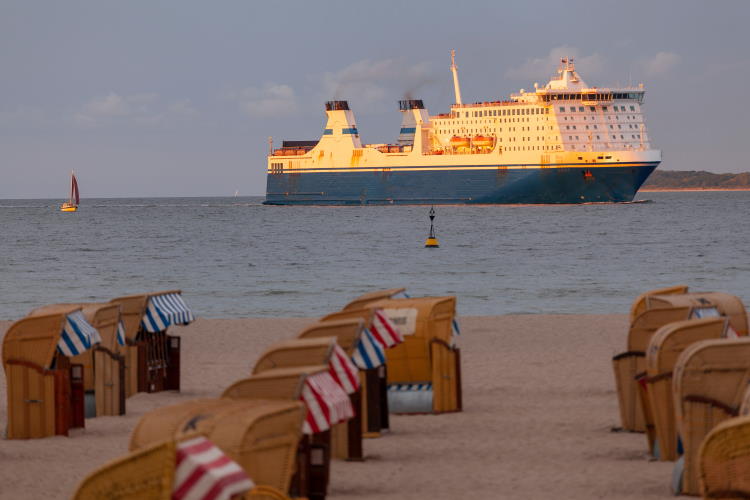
{"x":454,"y":70}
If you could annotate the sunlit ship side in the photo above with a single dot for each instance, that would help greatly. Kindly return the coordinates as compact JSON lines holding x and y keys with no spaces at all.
{"x":565,"y":142}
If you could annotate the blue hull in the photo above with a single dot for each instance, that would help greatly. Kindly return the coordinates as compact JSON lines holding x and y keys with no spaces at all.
{"x":569,"y":184}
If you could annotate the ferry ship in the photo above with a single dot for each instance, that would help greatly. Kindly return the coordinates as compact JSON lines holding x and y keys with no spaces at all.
{"x":565,"y":142}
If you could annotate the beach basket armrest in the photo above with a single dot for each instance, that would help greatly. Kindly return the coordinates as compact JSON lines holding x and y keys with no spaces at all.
{"x":30,"y":364}
{"x":729,"y":410}
{"x":658,"y":377}
{"x":629,"y":354}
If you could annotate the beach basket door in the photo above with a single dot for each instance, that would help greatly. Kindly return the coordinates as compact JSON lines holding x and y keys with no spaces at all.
{"x":445,"y":392}
{"x":77,"y":396}
{"x":109,"y":386}
{"x":31,"y":400}
{"x":172,"y":382}
{"x":319,"y":467}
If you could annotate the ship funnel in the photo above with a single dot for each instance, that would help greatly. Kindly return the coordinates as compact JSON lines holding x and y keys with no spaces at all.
{"x":337,"y":106}
{"x":341,"y":124}
{"x":414,"y":113}
{"x":408,"y":104}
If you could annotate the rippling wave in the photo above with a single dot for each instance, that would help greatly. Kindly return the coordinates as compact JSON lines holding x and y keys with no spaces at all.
{"x":234,"y":257}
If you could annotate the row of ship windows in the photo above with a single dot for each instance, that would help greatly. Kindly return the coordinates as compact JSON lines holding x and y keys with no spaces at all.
{"x":617,"y":117}
{"x":632,"y":136}
{"x":502,"y":112}
{"x":533,"y":148}
{"x":501,"y":120}
{"x":581,"y":109}
{"x":638,"y":96}
{"x":630,"y":125}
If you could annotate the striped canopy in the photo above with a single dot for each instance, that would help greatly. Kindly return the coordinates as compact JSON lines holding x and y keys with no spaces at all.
{"x":204,"y":472}
{"x":165,"y":310}
{"x":369,"y":353}
{"x":384,"y":330}
{"x":77,"y":336}
{"x":327,"y":403}
{"x":344,"y":371}
{"x":121,"y":333}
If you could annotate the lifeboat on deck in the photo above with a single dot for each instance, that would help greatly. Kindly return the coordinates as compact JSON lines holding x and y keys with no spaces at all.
{"x":482,"y":141}
{"x":459,"y":142}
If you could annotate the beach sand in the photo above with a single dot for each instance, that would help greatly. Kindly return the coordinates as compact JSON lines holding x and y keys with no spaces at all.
{"x":539,"y":403}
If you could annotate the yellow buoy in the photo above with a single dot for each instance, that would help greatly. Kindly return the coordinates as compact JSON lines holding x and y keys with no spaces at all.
{"x":432,"y":241}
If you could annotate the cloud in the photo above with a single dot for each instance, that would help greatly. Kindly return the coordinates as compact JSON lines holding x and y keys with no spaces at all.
{"x":269,"y":100}
{"x":371,"y":82}
{"x":540,"y":69}
{"x":144,"y":108}
{"x":661,"y":63}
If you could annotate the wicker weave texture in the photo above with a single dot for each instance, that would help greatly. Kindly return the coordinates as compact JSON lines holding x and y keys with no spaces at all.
{"x":147,"y":473}
{"x":639,"y":304}
{"x":280,"y":383}
{"x":632,"y":362}
{"x":346,"y":332}
{"x":362,"y":313}
{"x":727,"y":304}
{"x":366,"y":298}
{"x":724,"y":460}
{"x":296,"y":352}
{"x":665,"y":347}
{"x":260,"y":435}
{"x":710,"y":378}
{"x":626,"y":366}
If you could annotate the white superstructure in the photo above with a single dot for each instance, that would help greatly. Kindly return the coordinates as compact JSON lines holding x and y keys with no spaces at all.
{"x":564,"y":115}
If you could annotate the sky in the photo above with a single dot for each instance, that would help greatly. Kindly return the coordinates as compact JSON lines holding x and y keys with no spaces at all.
{"x":179,"y":98}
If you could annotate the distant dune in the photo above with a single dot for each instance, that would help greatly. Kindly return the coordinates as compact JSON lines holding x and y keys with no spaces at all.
{"x":695,"y":180}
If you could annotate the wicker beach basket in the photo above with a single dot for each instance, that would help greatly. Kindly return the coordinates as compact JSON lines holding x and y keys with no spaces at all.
{"x":665,"y":347}
{"x":147,"y":473}
{"x":28,"y":348}
{"x":632,"y":362}
{"x":260,"y":435}
{"x":427,"y":354}
{"x":132,"y":308}
{"x":710,"y":379}
{"x":103,"y":366}
{"x":724,"y":460}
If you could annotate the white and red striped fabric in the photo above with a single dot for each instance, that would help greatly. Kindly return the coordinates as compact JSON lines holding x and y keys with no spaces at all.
{"x":204,"y":472}
{"x":384,"y":330}
{"x":343,"y":371}
{"x":327,"y":403}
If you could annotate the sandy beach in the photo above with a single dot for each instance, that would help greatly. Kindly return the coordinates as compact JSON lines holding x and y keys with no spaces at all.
{"x":539,"y":403}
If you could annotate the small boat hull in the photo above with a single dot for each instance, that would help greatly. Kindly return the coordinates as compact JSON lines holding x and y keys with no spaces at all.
{"x":68,"y":208}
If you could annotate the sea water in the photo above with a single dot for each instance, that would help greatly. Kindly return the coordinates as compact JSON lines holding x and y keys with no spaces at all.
{"x":234,"y":257}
